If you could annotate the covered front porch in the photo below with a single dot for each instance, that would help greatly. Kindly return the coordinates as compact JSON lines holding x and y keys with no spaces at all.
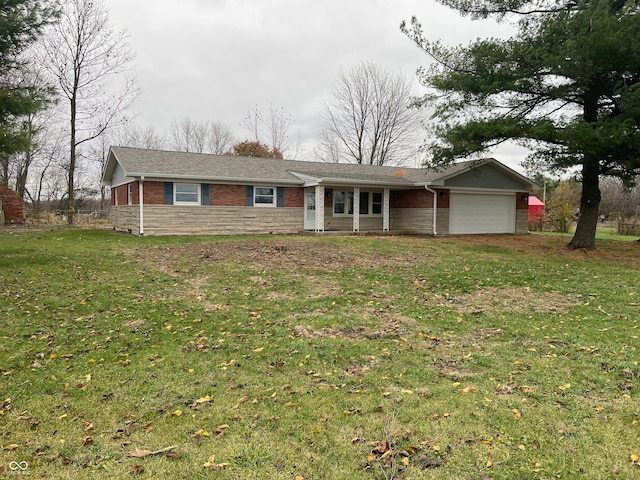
{"x":346,"y":209}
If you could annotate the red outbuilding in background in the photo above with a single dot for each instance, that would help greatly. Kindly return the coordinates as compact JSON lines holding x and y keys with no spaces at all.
{"x":536,"y":213}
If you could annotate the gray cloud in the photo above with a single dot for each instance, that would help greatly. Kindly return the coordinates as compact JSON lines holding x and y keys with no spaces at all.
{"x":218,"y":59}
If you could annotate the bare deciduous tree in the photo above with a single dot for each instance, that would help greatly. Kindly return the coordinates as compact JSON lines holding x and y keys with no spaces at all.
{"x":132,"y":136}
{"x":272,"y":131}
{"x":188,"y":135}
{"x":200,"y":137}
{"x":620,"y":202}
{"x":84,"y":53}
{"x":221,"y":138}
{"x":252,"y":122}
{"x":368,"y":118}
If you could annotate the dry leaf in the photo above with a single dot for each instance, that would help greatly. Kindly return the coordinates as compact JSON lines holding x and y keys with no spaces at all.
{"x":136,"y":469}
{"x":139,"y":453}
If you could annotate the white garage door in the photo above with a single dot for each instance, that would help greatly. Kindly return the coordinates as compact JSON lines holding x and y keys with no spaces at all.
{"x":482,"y":213}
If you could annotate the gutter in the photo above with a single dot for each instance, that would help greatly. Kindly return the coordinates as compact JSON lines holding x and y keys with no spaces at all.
{"x":435,"y":209}
{"x":140,"y":201}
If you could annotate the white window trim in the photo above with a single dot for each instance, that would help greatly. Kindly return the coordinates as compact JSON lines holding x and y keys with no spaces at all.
{"x":130,"y":194}
{"x":175,"y":194}
{"x":265,"y":205}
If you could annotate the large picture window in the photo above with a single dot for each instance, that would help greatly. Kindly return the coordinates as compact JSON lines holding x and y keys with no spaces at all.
{"x":264,"y":196}
{"x":370,"y":203}
{"x":186,"y":193}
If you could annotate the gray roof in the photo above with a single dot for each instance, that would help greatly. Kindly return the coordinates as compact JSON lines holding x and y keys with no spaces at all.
{"x":157,"y":164}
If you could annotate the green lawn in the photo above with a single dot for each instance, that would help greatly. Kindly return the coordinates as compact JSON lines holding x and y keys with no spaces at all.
{"x":490,"y":357}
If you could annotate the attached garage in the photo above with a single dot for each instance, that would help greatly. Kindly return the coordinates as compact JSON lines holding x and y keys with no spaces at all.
{"x":482,"y":213}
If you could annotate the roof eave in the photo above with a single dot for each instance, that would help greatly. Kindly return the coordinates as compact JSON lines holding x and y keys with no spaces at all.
{"x":354,"y":182}
{"x":230,"y":180}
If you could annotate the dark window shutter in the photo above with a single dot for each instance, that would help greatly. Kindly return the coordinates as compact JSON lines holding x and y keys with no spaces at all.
{"x":204,"y":194}
{"x":249,"y":195}
{"x":280,"y":197}
{"x":168,"y":193}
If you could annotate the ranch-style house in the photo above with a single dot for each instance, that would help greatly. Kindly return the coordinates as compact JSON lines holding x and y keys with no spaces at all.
{"x":174,"y":193}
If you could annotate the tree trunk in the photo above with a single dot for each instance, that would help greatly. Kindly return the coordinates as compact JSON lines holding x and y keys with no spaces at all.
{"x":585,"y":236}
{"x":23,"y":174}
{"x":72,"y":163}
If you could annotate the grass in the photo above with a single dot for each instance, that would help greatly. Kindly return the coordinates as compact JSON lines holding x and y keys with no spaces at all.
{"x":317,"y":357}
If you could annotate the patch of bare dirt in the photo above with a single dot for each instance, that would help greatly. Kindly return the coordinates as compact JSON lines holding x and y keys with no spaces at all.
{"x":551,"y":245}
{"x":392,"y":327}
{"x":515,"y":300}
{"x":288,"y":254}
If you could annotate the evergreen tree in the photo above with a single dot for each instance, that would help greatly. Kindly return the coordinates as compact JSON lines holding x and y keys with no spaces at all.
{"x":21,"y":22}
{"x":566,"y":85}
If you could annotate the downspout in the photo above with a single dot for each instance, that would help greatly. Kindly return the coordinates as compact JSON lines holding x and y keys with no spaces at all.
{"x":435,"y":209}
{"x":141,"y":201}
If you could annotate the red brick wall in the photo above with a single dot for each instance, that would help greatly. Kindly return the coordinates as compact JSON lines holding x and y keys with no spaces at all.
{"x":154,"y":193}
{"x":412,"y":199}
{"x":293,"y":197}
{"x":12,"y":205}
{"x":443,"y":198}
{"x":219,"y":194}
{"x":522,"y":201}
{"x":228,"y":195}
{"x":122,"y":194}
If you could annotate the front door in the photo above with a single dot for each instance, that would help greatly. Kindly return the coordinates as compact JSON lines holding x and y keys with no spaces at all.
{"x":310,"y":210}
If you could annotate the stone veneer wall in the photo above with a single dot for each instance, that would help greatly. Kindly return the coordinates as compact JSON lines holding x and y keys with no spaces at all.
{"x":522,"y":221}
{"x":198,"y":220}
{"x":344,"y":223}
{"x":418,"y":221}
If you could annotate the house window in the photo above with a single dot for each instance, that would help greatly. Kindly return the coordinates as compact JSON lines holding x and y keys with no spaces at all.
{"x":342,"y":203}
{"x":186,"y":193}
{"x":130,"y":194}
{"x":376,"y":203}
{"x":338,"y":203}
{"x":264,"y":196}
{"x":364,"y":203}
{"x":370,"y":203}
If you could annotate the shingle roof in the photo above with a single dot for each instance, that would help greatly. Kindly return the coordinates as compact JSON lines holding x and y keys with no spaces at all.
{"x":206,"y":167}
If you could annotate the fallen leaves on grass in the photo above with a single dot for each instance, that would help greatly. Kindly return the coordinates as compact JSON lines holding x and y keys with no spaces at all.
{"x":212,"y":465}
{"x":389,"y":455}
{"x":140,"y":453}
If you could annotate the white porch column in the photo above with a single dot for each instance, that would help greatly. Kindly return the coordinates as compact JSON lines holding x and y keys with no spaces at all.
{"x":385,"y":210}
{"x":319,"y":208}
{"x":356,"y":209}
{"x":141,"y":202}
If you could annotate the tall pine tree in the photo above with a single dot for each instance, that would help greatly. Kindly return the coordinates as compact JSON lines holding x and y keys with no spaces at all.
{"x":566,"y":85}
{"x":21,"y":22}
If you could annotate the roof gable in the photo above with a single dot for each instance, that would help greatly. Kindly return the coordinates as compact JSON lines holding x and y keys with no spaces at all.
{"x":485,"y":176}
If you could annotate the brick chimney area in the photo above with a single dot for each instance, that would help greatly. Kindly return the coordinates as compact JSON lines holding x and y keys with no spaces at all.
{"x":12,"y":205}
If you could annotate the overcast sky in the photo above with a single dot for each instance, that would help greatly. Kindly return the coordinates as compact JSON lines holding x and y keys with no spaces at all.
{"x":217,"y":59}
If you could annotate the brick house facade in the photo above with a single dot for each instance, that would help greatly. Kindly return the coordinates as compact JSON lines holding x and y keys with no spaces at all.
{"x":13,"y":209}
{"x":186,"y":194}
